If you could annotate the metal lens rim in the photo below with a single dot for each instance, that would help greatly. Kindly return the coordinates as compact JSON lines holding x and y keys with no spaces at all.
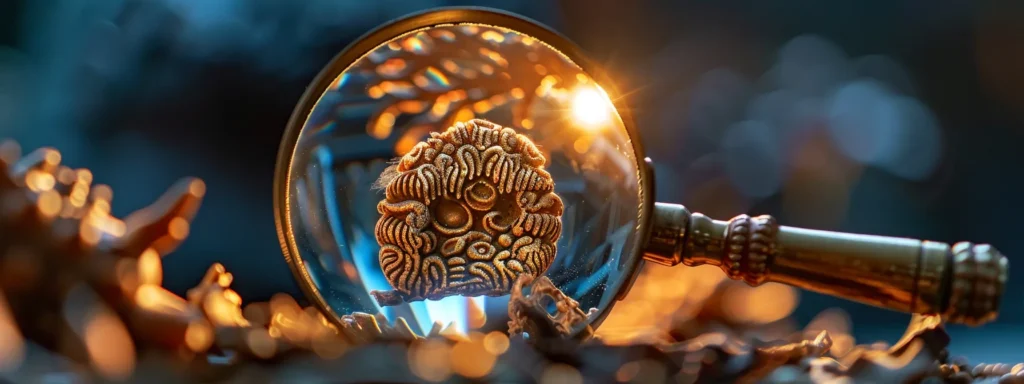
{"x":399,"y":27}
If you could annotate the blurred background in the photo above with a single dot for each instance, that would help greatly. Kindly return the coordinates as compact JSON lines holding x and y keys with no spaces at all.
{"x":895,"y":118}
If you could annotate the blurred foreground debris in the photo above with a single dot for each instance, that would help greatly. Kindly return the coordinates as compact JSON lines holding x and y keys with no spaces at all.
{"x":87,"y":286}
{"x":81,"y":301}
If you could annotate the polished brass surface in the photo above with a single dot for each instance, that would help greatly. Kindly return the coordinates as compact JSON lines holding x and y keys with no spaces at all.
{"x":664,"y":246}
{"x":964,"y":282}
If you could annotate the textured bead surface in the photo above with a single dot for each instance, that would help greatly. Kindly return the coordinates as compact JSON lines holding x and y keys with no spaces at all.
{"x":466,"y":212}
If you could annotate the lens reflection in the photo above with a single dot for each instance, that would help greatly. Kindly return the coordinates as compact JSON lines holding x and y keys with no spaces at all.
{"x":425,"y":81}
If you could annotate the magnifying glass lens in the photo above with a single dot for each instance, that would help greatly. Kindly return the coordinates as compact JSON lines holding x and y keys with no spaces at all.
{"x":378,"y":107}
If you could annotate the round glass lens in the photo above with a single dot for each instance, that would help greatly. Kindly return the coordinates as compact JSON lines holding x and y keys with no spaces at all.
{"x":424,"y":81}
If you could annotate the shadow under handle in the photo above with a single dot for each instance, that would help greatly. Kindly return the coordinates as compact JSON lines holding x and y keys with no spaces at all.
{"x":964,"y":282}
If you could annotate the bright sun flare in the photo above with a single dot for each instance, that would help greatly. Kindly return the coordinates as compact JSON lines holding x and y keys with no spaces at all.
{"x":590,"y":107}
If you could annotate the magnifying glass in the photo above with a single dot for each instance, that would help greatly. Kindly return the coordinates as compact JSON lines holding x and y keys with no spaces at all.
{"x":413,"y":79}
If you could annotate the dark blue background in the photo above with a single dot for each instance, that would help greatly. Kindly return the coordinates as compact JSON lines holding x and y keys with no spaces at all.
{"x":145,"y":92}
